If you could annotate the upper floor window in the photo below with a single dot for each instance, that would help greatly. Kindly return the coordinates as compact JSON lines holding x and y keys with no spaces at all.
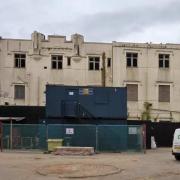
{"x":164,"y":93}
{"x":94,"y":63}
{"x":131,"y":59}
{"x":163,"y":60}
{"x":19,"y":92}
{"x":20,"y":60}
{"x":69,"y":61}
{"x":108,"y":62}
{"x":56,"y":61}
{"x":132,"y":92}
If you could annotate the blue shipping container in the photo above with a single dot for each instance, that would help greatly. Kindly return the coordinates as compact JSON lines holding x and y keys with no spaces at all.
{"x":86,"y":102}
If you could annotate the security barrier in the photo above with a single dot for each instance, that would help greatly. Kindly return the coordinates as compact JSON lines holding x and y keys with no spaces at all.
{"x":104,"y":138}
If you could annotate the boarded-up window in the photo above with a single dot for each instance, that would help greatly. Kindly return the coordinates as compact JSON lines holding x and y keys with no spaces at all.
{"x":19,"y":92}
{"x":132,"y":92}
{"x":164,"y":93}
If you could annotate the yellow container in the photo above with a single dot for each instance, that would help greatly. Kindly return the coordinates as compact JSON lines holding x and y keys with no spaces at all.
{"x":53,"y":143}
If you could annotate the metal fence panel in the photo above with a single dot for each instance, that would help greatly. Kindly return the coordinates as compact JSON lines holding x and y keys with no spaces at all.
{"x":74,"y":135}
{"x":24,"y":136}
{"x":112,"y":138}
{"x":135,"y":138}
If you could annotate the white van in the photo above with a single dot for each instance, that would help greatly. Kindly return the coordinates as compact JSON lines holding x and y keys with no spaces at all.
{"x":176,"y":144}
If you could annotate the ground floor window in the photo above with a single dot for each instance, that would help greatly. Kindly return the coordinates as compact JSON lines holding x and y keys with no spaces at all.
{"x":132,"y":92}
{"x":19,"y":92}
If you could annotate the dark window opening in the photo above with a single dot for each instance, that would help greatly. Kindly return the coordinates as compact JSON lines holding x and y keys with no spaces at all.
{"x":56,"y":61}
{"x":135,"y":63}
{"x":166,"y":64}
{"x":91,"y":65}
{"x":53,"y":65}
{"x":97,"y":66}
{"x":20,"y":60}
{"x":59,"y":65}
{"x":69,"y":61}
{"x":94,"y":63}
{"x":109,"y":62}
{"x":131,"y":59}
{"x":164,"y":60}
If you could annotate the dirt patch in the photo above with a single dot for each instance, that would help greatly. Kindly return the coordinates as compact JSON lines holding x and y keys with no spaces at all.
{"x":160,"y":175}
{"x":78,"y":170}
{"x":158,"y":164}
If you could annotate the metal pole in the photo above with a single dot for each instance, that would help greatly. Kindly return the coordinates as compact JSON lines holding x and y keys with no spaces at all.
{"x":1,"y":135}
{"x":96,"y":138}
{"x":103,"y":69}
{"x":144,"y":137}
{"x":10,"y":133}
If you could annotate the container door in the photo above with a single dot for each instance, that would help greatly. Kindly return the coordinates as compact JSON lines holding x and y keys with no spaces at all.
{"x":71,"y":103}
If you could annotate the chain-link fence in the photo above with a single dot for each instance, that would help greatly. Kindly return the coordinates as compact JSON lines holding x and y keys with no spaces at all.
{"x":24,"y":136}
{"x":111,"y":138}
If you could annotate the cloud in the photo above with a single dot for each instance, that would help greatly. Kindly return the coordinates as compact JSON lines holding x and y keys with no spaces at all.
{"x":107,"y":21}
{"x":108,"y":26}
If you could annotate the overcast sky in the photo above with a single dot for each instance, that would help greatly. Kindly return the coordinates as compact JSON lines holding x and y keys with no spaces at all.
{"x":98,"y":20}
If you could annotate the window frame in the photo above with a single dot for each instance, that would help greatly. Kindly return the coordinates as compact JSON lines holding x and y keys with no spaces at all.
{"x":17,"y":93}
{"x":164,"y":98}
{"x":93,"y":63}
{"x":108,"y":62}
{"x":56,"y":62}
{"x":163,"y":59}
{"x":131,"y":98}
{"x":131,"y":59}
{"x":68,"y":61}
{"x":20,"y":60}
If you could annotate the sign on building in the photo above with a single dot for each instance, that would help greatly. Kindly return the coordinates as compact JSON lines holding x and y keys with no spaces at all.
{"x":69,"y":130}
{"x":132,"y":130}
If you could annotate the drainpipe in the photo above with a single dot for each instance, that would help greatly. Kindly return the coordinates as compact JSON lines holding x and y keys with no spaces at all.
{"x":38,"y":91}
{"x":103,"y":70}
{"x":112,"y":64}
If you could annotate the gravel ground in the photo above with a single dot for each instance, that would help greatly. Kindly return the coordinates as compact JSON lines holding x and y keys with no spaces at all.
{"x":155,"y":164}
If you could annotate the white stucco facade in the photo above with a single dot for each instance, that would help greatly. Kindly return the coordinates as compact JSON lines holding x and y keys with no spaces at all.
{"x":148,"y":76}
{"x":38,"y":71}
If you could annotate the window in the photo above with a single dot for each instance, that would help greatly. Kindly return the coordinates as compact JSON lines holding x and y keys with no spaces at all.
{"x":20,"y":60}
{"x":109,"y":62}
{"x":163,"y":60}
{"x":19,"y":92}
{"x":131,"y":59}
{"x":56,"y":61}
{"x":68,"y":61}
{"x":164,"y":93}
{"x":132,"y":92}
{"x":94,"y":63}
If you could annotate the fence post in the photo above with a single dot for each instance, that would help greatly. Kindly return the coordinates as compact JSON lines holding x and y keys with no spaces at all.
{"x":11,"y":134}
{"x":96,"y":137}
{"x":47,"y":134}
{"x":144,"y":138}
{"x":1,"y":135}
